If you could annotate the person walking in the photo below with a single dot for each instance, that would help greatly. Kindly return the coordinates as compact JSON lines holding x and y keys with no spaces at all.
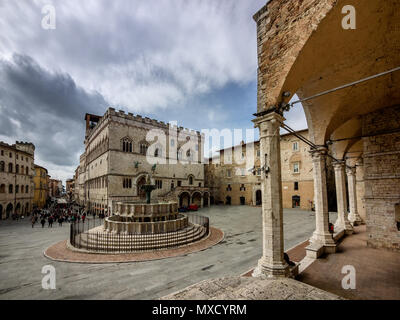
{"x":60,"y":221}
{"x":50,"y":220}
{"x":43,"y":222}
{"x":33,"y":220}
{"x":83,"y":218}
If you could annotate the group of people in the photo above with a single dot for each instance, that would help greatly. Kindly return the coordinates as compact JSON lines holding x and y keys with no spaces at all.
{"x":56,"y":214}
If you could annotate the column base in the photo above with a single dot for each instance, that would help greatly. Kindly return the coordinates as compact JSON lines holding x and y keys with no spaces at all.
{"x":325,"y":239}
{"x":266,"y":270}
{"x":346,"y":225}
{"x":355,"y":220}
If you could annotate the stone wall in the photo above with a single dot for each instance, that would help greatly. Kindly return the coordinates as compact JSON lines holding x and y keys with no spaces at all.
{"x":382,"y":176}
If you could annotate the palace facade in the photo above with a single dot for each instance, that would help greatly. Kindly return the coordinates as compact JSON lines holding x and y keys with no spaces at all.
{"x":122,"y":149}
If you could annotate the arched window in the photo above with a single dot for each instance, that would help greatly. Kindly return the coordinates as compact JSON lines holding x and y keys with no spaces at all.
{"x":10,"y":188}
{"x":2,"y":166}
{"x":17,"y":168}
{"x":190,"y":180}
{"x":17,"y":189}
{"x":26,"y":189}
{"x":143,"y":148}
{"x":10,"y":167}
{"x":3,"y":188}
{"x":27,"y":171}
{"x":127,"y":145}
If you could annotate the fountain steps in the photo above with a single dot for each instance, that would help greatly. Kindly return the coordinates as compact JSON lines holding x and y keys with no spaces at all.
{"x":125,"y":242}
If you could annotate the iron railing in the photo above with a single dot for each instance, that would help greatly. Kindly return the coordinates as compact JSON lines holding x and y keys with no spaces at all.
{"x":83,"y":237}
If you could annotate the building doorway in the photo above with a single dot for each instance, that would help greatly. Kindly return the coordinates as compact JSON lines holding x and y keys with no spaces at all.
{"x":242,"y":201}
{"x":206,"y":200}
{"x":9,"y":210}
{"x":140,"y":192}
{"x":296,"y":202}
{"x":184,"y":200}
{"x":228,"y":200}
{"x":258,"y":198}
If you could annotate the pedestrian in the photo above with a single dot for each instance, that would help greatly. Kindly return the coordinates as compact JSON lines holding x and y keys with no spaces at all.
{"x":50,"y":220}
{"x":60,"y":221}
{"x":83,"y":218}
{"x":33,"y":221}
{"x":43,"y":222}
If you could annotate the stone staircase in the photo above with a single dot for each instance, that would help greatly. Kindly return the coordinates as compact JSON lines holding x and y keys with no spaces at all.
{"x":97,"y":240}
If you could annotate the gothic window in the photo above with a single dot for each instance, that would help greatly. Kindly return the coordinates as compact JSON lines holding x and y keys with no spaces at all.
{"x":26,"y":189}
{"x":10,"y":188}
{"x":143,"y":148}
{"x":10,"y":167}
{"x":27,"y":170}
{"x":3,"y":188}
{"x":17,"y":168}
{"x":127,"y":183}
{"x":2,"y":166}
{"x":190,"y":180}
{"x":127,"y":145}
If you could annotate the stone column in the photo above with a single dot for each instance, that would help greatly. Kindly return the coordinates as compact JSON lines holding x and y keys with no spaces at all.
{"x":342,"y":221}
{"x":354,"y":217}
{"x":272,"y":263}
{"x":360,"y":187}
{"x":321,"y":235}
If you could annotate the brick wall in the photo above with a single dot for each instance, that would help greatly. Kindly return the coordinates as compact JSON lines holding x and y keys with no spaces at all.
{"x":382,"y":176}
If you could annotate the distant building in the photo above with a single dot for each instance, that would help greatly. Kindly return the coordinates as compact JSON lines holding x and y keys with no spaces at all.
{"x":231,"y":181}
{"x":40,"y":181}
{"x":55,"y":188}
{"x":16,"y":179}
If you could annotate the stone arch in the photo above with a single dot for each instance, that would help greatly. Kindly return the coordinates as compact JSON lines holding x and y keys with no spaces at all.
{"x":140,"y":181}
{"x":184,"y":199}
{"x":196,"y":198}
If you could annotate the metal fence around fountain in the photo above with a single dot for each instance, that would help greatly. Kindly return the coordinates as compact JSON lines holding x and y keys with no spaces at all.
{"x":105,"y":242}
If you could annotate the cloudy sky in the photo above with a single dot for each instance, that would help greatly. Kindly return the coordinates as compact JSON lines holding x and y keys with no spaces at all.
{"x":189,"y":61}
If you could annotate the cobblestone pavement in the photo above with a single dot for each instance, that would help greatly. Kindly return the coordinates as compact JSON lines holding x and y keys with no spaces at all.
{"x":22,"y":259}
{"x":239,"y":288}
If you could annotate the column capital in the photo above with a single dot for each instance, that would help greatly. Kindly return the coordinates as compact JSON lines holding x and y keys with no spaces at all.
{"x":339,"y":165}
{"x":319,"y":152}
{"x":351,"y":171}
{"x":272,"y":116}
